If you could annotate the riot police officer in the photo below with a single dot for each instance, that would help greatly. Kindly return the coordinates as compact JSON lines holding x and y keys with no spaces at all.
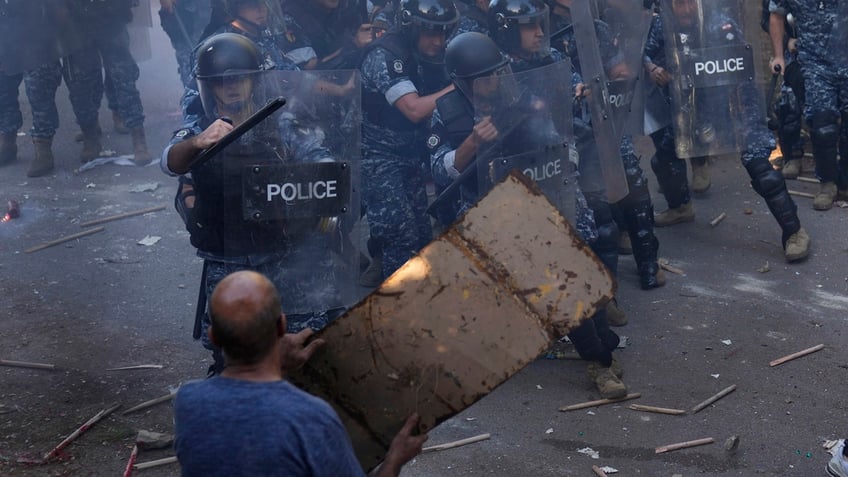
{"x":228,"y":71}
{"x":330,"y":34}
{"x":402,"y":75}
{"x":824,"y":63}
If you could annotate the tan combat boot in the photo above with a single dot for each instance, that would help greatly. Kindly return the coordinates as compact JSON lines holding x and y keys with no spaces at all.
{"x":700,"y":177}
{"x":8,"y":148}
{"x":825,"y":196}
{"x":615,"y":316}
{"x":43,"y":162}
{"x":797,"y":246}
{"x":609,"y":385}
{"x":677,"y":215}
{"x":141,"y":157}
{"x":791,"y":169}
{"x":118,"y":124}
{"x":91,"y":145}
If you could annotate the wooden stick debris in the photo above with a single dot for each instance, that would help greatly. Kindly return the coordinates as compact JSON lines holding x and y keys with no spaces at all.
{"x":64,"y":239}
{"x":801,"y":194}
{"x":140,"y":366}
{"x":724,"y":392}
{"x":718,"y":219}
{"x":599,"y":402}
{"x":26,"y":364}
{"x":155,"y":463}
{"x":150,"y":403}
{"x":459,"y":443}
{"x":122,"y":216}
{"x":131,"y":462}
{"x":598,"y":471}
{"x":792,"y":356}
{"x":665,"y":266}
{"x":100,"y":415}
{"x":808,"y":179}
{"x":659,"y":410}
{"x":684,"y":445}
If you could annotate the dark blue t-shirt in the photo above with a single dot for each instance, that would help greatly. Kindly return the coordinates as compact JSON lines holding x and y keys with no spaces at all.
{"x":231,"y":427}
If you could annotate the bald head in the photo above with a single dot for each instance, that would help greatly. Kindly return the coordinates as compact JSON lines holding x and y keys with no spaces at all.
{"x":245,"y":313}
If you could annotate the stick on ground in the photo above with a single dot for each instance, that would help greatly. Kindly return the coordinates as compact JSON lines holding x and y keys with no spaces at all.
{"x":599,"y":402}
{"x":683,"y":445}
{"x":718,"y":219}
{"x":121,"y":216}
{"x":100,"y":415}
{"x":155,"y":463}
{"x":459,"y":443}
{"x":659,"y":410}
{"x":792,"y":356}
{"x":26,"y":364}
{"x":64,"y":239}
{"x":598,"y":471}
{"x":149,"y":403}
{"x":724,"y":392}
{"x":131,"y":462}
{"x":801,"y":194}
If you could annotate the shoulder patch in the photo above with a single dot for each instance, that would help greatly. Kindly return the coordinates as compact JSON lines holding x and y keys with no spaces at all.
{"x":182,"y":133}
{"x":398,"y":66}
{"x":433,"y":141}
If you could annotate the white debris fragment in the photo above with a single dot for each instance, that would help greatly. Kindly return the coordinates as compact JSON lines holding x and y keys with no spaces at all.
{"x":590,"y":452}
{"x":90,"y":185}
{"x":538,"y":386}
{"x":715,"y":375}
{"x":550,"y":431}
{"x":591,"y":413}
{"x":470,"y":419}
{"x":609,"y":470}
{"x":727,"y":342}
{"x":149,"y":240}
{"x":148,"y":187}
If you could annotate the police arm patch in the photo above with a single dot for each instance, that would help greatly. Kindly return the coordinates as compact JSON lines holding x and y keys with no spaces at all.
{"x":433,"y":141}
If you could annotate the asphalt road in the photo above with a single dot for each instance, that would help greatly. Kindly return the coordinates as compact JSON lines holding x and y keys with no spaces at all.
{"x":105,"y":301}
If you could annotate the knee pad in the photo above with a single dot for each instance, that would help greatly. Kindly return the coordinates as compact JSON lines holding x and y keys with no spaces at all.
{"x":824,"y":128}
{"x":765,"y":180}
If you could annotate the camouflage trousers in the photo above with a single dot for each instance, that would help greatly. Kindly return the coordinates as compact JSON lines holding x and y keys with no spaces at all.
{"x":41,"y":84}
{"x":184,"y":27}
{"x":826,"y":107}
{"x":395,"y":198}
{"x":106,"y":53}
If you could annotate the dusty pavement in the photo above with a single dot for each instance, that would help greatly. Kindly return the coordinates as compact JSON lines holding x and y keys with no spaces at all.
{"x":105,"y":301}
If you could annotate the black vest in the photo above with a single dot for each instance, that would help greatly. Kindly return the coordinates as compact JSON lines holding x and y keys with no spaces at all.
{"x":375,"y":108}
{"x":457,"y":115}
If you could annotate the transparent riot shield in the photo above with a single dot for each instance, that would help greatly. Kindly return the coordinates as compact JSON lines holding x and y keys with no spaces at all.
{"x":717,"y":96}
{"x":531,"y":111}
{"x":33,"y":34}
{"x":599,"y":62}
{"x":139,"y":30}
{"x":284,"y":197}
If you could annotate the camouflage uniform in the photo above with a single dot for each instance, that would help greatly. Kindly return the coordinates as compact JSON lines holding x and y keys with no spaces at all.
{"x":393,"y":163}
{"x":314,"y":33}
{"x":822,"y":26}
{"x":106,"y":48}
{"x":41,"y":84}
{"x":184,"y":27}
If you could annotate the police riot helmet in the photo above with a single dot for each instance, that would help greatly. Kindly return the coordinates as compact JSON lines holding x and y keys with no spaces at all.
{"x":470,"y":56}
{"x":415,"y":16}
{"x":221,"y":59}
{"x":506,"y":17}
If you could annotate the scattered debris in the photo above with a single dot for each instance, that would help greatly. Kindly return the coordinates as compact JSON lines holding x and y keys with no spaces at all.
{"x":718,"y":219}
{"x":715,"y":375}
{"x":659,"y":410}
{"x":727,"y":342}
{"x":623,"y":342}
{"x":139,"y":366}
{"x":151,"y":402}
{"x":148,"y":187}
{"x":155,"y":463}
{"x":765,"y":268}
{"x":469,"y":419}
{"x":131,"y":462}
{"x":26,"y":364}
{"x":801,"y":194}
{"x":724,"y":392}
{"x":550,"y":430}
{"x":683,"y":445}
{"x":807,"y":179}
{"x":149,"y":240}
{"x":459,"y":443}
{"x":149,"y":440}
{"x":609,"y":470}
{"x":107,"y":157}
{"x":599,"y":402}
{"x":664,"y":264}
{"x":599,"y":471}
{"x":122,"y":216}
{"x":731,"y":444}
{"x":539,"y":386}
{"x":748,"y":211}
{"x":100,"y":415}
{"x":90,"y":185}
{"x":799,"y":354}
{"x":590,"y":452}
{"x":64,"y":239}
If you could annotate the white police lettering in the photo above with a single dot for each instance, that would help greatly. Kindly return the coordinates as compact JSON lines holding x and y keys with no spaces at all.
{"x":620,"y":100}
{"x":544,"y":171}
{"x":726,"y":65}
{"x":293,"y":191}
